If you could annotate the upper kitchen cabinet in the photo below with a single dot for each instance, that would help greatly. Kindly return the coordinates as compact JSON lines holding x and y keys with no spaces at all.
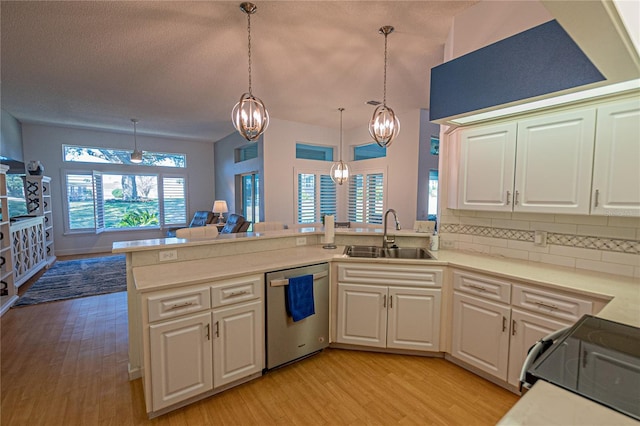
{"x":616,"y":168}
{"x":553,"y":163}
{"x":486,"y":167}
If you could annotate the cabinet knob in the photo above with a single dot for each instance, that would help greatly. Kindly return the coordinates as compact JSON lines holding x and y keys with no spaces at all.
{"x":596,"y":196}
{"x":515,"y":199}
{"x":384,"y":301}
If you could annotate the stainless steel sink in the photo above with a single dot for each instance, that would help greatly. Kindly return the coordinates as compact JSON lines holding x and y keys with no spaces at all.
{"x":393,"y":252}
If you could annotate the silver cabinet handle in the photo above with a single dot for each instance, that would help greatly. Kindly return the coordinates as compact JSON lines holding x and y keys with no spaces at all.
{"x":477,"y":287}
{"x":546,"y":305}
{"x":217,"y":328}
{"x":391,"y":302}
{"x":238,"y":293}
{"x":508,"y":197}
{"x":208,"y":331}
{"x":384,"y":301}
{"x":515,"y":200}
{"x":513,"y":327}
{"x":504,"y":324}
{"x":597,"y":195}
{"x":180,"y":305}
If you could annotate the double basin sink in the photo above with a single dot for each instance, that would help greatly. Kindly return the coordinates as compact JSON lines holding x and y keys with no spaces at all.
{"x":389,"y":253}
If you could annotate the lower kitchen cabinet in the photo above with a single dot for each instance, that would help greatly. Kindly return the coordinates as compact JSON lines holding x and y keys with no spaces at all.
{"x":389,"y":316}
{"x":181,"y":359}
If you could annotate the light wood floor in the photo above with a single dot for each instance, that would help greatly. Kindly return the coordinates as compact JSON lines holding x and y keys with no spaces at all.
{"x":65,"y":363}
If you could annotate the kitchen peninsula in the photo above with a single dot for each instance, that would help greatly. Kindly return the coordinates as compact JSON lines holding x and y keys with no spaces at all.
{"x":190,"y":264}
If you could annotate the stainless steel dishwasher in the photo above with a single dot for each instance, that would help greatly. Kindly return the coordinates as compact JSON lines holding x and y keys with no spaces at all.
{"x":288,"y":341}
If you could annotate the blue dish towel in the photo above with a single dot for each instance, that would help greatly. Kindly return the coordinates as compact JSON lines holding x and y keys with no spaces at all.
{"x":299,"y":295}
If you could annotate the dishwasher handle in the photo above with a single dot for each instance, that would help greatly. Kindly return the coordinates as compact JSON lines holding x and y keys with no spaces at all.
{"x":283,"y":282}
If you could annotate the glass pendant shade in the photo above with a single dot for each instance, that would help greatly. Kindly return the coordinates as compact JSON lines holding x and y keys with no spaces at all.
{"x":340,"y":172}
{"x":250,"y":117}
{"x":136,"y":155}
{"x":384,"y":126}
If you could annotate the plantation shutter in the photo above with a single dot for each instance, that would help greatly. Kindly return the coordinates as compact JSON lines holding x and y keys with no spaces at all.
{"x":366,"y":198}
{"x":98,"y":202}
{"x":174,"y":203}
{"x":306,"y":197}
{"x":327,"y":195}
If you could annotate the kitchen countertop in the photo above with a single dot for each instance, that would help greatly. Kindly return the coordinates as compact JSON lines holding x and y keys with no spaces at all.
{"x":543,"y":404}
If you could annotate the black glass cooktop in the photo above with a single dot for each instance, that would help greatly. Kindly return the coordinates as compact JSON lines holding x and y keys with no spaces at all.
{"x":598,"y":359}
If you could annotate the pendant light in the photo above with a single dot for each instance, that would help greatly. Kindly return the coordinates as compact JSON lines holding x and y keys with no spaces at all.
{"x":384,"y":125}
{"x":136,"y":155}
{"x":250,"y":116}
{"x":340,"y":170}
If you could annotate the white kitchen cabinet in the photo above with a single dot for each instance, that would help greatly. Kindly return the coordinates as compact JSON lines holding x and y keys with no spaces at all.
{"x":481,"y":333}
{"x":181,"y":359}
{"x":389,"y":306}
{"x":616,"y":168}
{"x":486,"y":167}
{"x":554,"y":162}
{"x":237,"y":342}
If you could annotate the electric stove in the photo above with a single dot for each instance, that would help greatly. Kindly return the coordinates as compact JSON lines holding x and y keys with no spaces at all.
{"x":598,"y":359}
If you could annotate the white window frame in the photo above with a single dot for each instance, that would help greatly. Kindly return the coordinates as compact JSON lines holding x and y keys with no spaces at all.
{"x":317,"y":197}
{"x":365,"y":172}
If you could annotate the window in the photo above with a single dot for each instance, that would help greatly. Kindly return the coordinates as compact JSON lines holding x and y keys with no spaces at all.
{"x":84,"y":154}
{"x":316,"y":197}
{"x":245,"y":153}
{"x":368,"y":151}
{"x":366,"y":197}
{"x":251,"y":197}
{"x":17,"y":203}
{"x":314,"y":152}
{"x":432,"y":208}
{"x":98,"y":201}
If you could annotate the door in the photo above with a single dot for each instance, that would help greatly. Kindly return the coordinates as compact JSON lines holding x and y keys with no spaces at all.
{"x":487,"y":159}
{"x":413,"y":318}
{"x":362,"y":315}
{"x":181,"y":359}
{"x":616,"y":169}
{"x":480,"y":335}
{"x":237,"y":342}
{"x":554,"y":162}
{"x":526,"y":330}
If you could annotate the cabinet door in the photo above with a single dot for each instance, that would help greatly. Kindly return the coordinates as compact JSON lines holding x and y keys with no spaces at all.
{"x":237,"y":342}
{"x":526,"y":330}
{"x":487,"y":159}
{"x":554,"y":162}
{"x":362,"y":315}
{"x":480,"y":335}
{"x":413,"y":318}
{"x":616,"y":168}
{"x":181,"y":364}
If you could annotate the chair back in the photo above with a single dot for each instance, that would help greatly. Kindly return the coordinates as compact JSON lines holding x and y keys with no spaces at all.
{"x":267,"y":226}
{"x":197,"y":232}
{"x":201,"y":218}
{"x":234,"y":224}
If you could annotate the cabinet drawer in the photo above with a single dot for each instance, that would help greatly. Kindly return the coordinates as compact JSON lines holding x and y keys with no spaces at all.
{"x":482,"y":286}
{"x":175,"y":303}
{"x":566,"y":307}
{"x":390,"y":275}
{"x":236,"y":290}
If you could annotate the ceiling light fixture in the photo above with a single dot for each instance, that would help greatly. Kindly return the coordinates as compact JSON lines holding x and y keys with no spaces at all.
{"x":384,"y":125}
{"x":136,"y":155}
{"x":250,"y":116}
{"x":340,"y":170}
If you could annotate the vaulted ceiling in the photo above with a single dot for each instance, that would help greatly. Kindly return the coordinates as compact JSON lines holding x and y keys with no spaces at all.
{"x":181,"y":66}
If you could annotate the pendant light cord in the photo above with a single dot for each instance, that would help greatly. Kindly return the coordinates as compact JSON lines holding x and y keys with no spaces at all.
{"x":341,"y":109}
{"x":249,"y":48}
{"x":384,"y":96}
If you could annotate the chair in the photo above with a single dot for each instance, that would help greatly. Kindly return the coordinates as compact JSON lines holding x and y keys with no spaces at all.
{"x":200,"y":218}
{"x":235,"y":223}
{"x":197,"y":232}
{"x":267,"y":226}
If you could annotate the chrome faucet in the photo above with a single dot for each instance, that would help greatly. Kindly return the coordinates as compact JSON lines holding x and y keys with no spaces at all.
{"x":385,"y":238}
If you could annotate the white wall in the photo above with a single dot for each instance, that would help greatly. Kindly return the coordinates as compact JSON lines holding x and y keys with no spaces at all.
{"x":45,"y":143}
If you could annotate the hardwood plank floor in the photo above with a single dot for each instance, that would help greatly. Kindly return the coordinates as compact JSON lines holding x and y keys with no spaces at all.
{"x":65,"y":363}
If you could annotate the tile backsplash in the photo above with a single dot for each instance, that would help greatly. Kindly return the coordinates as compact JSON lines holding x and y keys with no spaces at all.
{"x":597,"y":243}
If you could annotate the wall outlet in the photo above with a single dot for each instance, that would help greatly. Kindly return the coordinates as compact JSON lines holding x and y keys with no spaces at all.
{"x":446,"y":244}
{"x":540,"y":238}
{"x":301,"y":241}
{"x":167,"y":255}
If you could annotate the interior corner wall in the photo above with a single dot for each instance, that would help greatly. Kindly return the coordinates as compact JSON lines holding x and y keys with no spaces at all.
{"x":226,"y":170}
{"x":10,"y":137}
{"x":426,"y":162}
{"x":280,"y":161}
{"x":43,"y":142}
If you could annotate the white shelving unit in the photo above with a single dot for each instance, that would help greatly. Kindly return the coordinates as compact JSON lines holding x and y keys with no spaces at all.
{"x":38,"y":193}
{"x":8,"y":293}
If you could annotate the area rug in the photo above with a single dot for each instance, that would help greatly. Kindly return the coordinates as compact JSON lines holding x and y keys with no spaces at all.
{"x":70,"y":279}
